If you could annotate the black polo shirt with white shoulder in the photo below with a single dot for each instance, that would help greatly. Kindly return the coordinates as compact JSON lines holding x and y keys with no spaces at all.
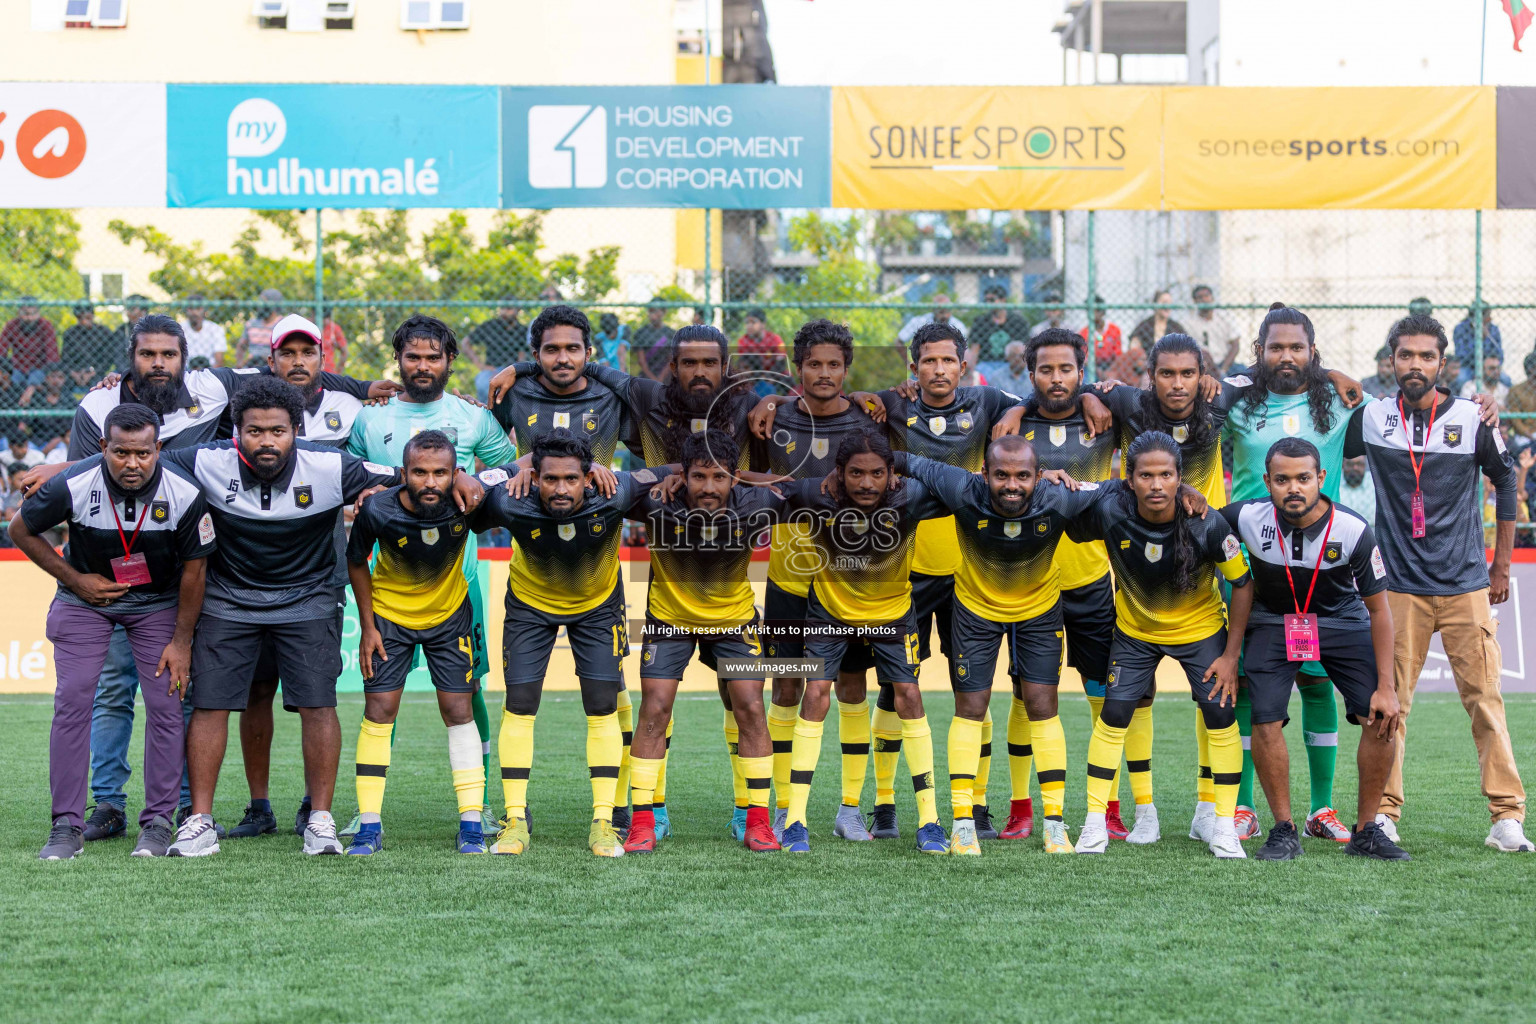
{"x":1450,"y":558}
{"x":169,"y":513}
{"x":277,"y":551}
{"x":1348,"y":566}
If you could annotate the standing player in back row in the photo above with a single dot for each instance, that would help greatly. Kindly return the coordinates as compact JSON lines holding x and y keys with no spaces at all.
{"x":425,"y":349}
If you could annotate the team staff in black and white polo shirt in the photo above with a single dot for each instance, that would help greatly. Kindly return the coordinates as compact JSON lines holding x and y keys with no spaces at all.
{"x":1426,"y":450}
{"x":1320,"y":596}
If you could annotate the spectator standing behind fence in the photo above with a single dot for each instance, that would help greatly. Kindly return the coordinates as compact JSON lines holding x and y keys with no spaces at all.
{"x":1494,"y":383}
{"x":1357,"y":491}
{"x":1055,"y":315}
{"x":204,"y":337}
{"x":499,"y":341}
{"x":992,"y":333}
{"x":135,"y":307}
{"x":1383,"y":384}
{"x":611,"y":342}
{"x":1465,"y":337}
{"x":20,"y":453}
{"x":28,"y":341}
{"x":1213,"y":329}
{"x":333,"y":346}
{"x":653,"y":341}
{"x":1161,"y":322}
{"x":1105,"y":339}
{"x":1522,"y":398}
{"x":49,"y":397}
{"x":86,"y":345}
{"x":1014,"y":377}
{"x":255,"y":343}
{"x":940,"y":314}
{"x":759,"y":350}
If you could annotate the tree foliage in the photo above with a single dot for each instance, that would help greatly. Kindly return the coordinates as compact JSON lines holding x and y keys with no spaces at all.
{"x":37,"y":256}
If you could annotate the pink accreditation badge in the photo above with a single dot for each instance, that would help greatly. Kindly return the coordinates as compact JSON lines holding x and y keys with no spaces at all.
{"x":1301,"y":638}
{"x":131,"y":569}
{"x":1416,"y":510}
{"x":1416,"y":499}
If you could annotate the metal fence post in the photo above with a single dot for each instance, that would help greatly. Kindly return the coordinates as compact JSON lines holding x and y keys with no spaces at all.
{"x":1477,"y":335}
{"x":319,"y":272}
{"x":1092,"y":278}
{"x":709,"y":312}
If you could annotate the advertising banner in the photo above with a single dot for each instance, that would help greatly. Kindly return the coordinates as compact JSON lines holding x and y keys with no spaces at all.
{"x":68,"y":144}
{"x":962,"y":148}
{"x":332,"y":146}
{"x":725,"y":147}
{"x":1409,"y":148}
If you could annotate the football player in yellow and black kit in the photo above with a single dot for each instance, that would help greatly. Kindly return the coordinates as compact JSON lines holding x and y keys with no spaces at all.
{"x":416,"y":596}
{"x":1167,"y":604}
{"x":701,"y":546}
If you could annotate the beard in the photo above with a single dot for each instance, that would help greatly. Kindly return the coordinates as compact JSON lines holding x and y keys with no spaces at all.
{"x":1288,"y":380}
{"x":417,"y":392}
{"x":263,"y":471}
{"x":157,"y":395}
{"x":688,"y":400}
{"x":1056,"y":406}
{"x":437,"y":493}
{"x":1414,"y":387}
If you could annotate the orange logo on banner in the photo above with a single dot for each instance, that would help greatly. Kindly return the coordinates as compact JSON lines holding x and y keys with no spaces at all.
{"x":50,"y":143}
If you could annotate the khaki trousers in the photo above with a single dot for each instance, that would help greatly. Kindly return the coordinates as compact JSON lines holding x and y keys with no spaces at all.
{"x":1467,"y":632}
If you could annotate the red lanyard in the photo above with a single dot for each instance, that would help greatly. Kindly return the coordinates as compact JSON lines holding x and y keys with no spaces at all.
{"x":1302,"y":609}
{"x":127,"y":543}
{"x":1418,"y":464}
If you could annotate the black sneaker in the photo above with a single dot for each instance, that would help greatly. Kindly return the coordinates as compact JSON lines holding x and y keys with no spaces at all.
{"x":1369,"y":840}
{"x":621,"y":819}
{"x":106,"y":822}
{"x":983,"y":817}
{"x":185,"y":811}
{"x":301,"y":819}
{"x":883,"y":826}
{"x":64,"y":842}
{"x":255,"y":823}
{"x":1284,"y":843}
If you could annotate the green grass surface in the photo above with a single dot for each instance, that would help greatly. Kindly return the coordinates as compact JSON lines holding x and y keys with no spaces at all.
{"x":704,"y":930}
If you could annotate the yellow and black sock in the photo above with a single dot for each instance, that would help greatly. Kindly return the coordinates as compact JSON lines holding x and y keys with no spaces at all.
{"x":757,"y":773}
{"x":964,"y":757}
{"x":917,"y":741}
{"x":661,"y":776}
{"x":482,"y":718}
{"x":514,"y":746}
{"x":1050,"y":743}
{"x":738,"y":777}
{"x":1138,"y":755}
{"x":642,"y":781}
{"x":984,"y":763}
{"x":853,"y":734}
{"x":626,"y":713}
{"x":1226,"y":745}
{"x":781,"y":733}
{"x":1205,"y":789}
{"x":1021,"y":752}
{"x":807,"y":751}
{"x":372,"y":767}
{"x":1104,"y":751}
{"x":464,"y":765}
{"x":887,"y":747}
{"x":605,"y":748}
{"x":1096,"y":705}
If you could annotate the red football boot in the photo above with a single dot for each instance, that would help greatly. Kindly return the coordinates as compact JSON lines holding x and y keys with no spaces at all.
{"x":1021,"y":820}
{"x":642,"y":832}
{"x":1112,"y":822}
{"x":759,"y":836}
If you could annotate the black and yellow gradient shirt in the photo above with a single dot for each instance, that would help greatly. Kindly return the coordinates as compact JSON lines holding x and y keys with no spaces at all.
{"x":1065,"y":445}
{"x":531,"y":410}
{"x":1148,"y":604}
{"x":654,"y":434}
{"x":1202,"y":458}
{"x":955,"y":434}
{"x":1007,"y":564}
{"x":418,"y":577}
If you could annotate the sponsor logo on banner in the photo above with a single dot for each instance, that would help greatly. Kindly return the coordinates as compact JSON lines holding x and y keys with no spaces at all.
{"x":288,"y":146}
{"x":82,"y":144}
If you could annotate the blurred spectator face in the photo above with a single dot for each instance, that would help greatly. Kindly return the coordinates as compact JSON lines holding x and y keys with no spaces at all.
{"x":698,"y":315}
{"x":85,"y":317}
{"x":1163,"y":301}
{"x":550,"y":293}
{"x":1493,"y":367}
{"x":1098,"y":318}
{"x":1014,"y":353}
{"x":754,"y":327}
{"x":656,"y":314}
{"x":1354,"y":471}
{"x":1204,"y":300}
{"x":28,"y":312}
{"x":941,"y":308}
{"x":19,"y":446}
{"x":1054,"y":314}
{"x":54,"y":378}
{"x":81,"y":376}
{"x":196,"y":314}
{"x":1450,"y":372}
{"x":1384,"y":367}
{"x":133,"y":313}
{"x":609,"y":324}
{"x":508,"y":313}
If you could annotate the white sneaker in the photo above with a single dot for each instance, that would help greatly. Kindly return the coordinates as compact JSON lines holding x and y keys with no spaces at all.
{"x":320,"y":836}
{"x":1146,"y":829}
{"x":1508,"y":837}
{"x":1204,"y":820}
{"x":1388,"y":826}
{"x":195,"y":838}
{"x":1093,"y":837}
{"x":1056,"y":839}
{"x":1224,"y":842}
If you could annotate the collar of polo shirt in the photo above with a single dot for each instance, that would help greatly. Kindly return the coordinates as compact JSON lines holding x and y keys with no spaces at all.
{"x":249,"y":480}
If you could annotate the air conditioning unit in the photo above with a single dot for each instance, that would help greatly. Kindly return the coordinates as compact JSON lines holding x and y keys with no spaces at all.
{"x":340,"y":13}
{"x":424,"y":15}
{"x":95,"y":13}
{"x":271,"y":13}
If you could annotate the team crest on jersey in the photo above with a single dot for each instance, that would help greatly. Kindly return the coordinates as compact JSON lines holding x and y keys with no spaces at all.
{"x":333,"y":421}
{"x":458,"y":528}
{"x":566,"y":530}
{"x":430,"y":537}
{"x":595,"y":527}
{"x":304,"y":496}
{"x":1181,"y":433}
{"x":562,"y":419}
{"x":962,"y":669}
{"x":1154,"y":552}
{"x":861,"y":527}
{"x":1058,"y":436}
{"x":698,"y":424}
{"x":1453,"y":436}
{"x":205,"y":529}
{"x":707,"y":534}
{"x":1042,"y":526}
{"x":648,"y":654}
{"x":937,"y":424}
{"x":1012,"y":530}
{"x":159,"y":511}
{"x":819,"y":447}
{"x":1331,"y":554}
{"x":965,"y":421}
{"x":1084,"y":439}
{"x":1291,"y":423}
{"x":590,"y":424}
{"x":194,"y":409}
{"x":1376,"y":564}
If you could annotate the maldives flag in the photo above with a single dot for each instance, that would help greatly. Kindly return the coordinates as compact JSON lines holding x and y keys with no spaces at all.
{"x":1519,"y":17}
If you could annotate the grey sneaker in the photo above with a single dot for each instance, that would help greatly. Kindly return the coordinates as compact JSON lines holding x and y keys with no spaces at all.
{"x":849,"y":824}
{"x":106,"y":821}
{"x":780,"y":816}
{"x":320,"y":837}
{"x":195,"y":837}
{"x":155,"y":838}
{"x":185,"y":811}
{"x":64,"y":840}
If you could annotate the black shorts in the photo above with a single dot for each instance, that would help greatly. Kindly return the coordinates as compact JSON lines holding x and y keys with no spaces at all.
{"x":1133,"y":665}
{"x":1034,"y":648}
{"x":1089,"y":614}
{"x":783,"y":622}
{"x":599,"y":640}
{"x":307,"y":656}
{"x":891,"y":649}
{"x":1347,"y":654}
{"x":933,"y":597}
{"x":665,"y":652}
{"x":447,"y":648}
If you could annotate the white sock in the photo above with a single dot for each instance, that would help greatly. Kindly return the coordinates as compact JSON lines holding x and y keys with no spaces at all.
{"x":1094,"y":818}
{"x":321,"y":818}
{"x":464,"y":754}
{"x":368,"y":818}
{"x":1204,"y":807}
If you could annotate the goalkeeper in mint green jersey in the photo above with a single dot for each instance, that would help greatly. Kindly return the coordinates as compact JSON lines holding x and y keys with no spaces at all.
{"x":425,"y":348}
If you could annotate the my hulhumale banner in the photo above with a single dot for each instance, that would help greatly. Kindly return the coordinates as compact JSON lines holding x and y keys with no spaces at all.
{"x":726,"y":146}
{"x":333,"y":146}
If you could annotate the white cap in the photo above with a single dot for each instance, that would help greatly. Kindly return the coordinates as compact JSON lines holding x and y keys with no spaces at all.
{"x":294,"y":324}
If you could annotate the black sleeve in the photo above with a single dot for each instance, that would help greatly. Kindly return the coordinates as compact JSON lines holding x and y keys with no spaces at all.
{"x":1366,"y":564}
{"x":634,"y":484}
{"x":84,"y":436}
{"x":358,"y":389}
{"x":800,"y":494}
{"x":493,"y":508}
{"x":357,"y":475}
{"x":1123,"y":403}
{"x":1493,"y":457}
{"x":995,"y":402}
{"x":50,"y":506}
{"x":194,"y":533}
{"x":364,"y":536}
{"x":1088,"y":524}
{"x":947,"y":484}
{"x":232,"y":379}
{"x":1354,"y":434}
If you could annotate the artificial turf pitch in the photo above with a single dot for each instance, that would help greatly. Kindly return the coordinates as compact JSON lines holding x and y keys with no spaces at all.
{"x":704,"y":930}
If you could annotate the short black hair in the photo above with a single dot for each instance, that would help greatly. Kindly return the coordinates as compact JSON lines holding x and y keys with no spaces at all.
{"x":419,"y":325}
{"x":712,"y":447}
{"x":1203,"y":288}
{"x":130,"y":418}
{"x":1008,"y":444}
{"x":267,"y":392}
{"x":934,"y":332}
{"x":427,"y":441}
{"x":155,"y":323}
{"x":822,"y":332}
{"x":1294,"y":448}
{"x":559,"y":315}
{"x":1416,"y":324}
{"x":756,"y":313}
{"x":560,"y":443}
{"x":1056,"y":336}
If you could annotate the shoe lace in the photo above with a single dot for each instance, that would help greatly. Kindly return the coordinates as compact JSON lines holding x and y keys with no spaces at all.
{"x":100,"y":814}
{"x":61,"y":831}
